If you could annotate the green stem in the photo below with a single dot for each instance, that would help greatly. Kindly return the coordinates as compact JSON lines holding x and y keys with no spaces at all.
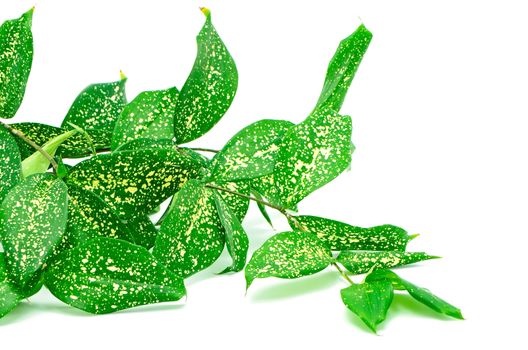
{"x":343,"y":273}
{"x":32,"y":143}
{"x":204,"y":149}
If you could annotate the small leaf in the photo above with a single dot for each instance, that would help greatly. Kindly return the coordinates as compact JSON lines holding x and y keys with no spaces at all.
{"x":33,"y":221}
{"x":150,"y":115}
{"x":422,"y":295}
{"x":191,"y":237}
{"x":365,"y":261}
{"x":90,"y":217}
{"x":340,"y":236}
{"x":369,"y":301}
{"x":311,"y":154}
{"x":132,"y":181}
{"x":290,"y":254}
{"x":10,"y":168}
{"x":262,"y":207}
{"x":341,"y":70}
{"x":37,"y":162}
{"x":76,"y":146}
{"x":9,"y":295}
{"x":236,"y":238}
{"x":251,"y":152}
{"x":16,"y":57}
{"x":97,"y":107}
{"x":142,"y":229}
{"x":209,"y":89}
{"x":105,"y":275}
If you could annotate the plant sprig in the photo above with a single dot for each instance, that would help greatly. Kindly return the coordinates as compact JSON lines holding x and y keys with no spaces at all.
{"x":85,"y":231}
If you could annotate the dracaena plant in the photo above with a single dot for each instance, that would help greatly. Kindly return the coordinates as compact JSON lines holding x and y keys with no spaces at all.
{"x":85,"y":231}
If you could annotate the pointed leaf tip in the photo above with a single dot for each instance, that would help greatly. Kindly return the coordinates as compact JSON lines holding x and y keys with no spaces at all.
{"x":122,"y":75}
{"x":206,"y":11}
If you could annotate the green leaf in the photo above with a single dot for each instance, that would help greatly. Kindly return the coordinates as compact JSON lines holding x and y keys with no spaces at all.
{"x":262,"y":207}
{"x":251,"y":152}
{"x":141,"y":143}
{"x":98,"y":106}
{"x":289,"y":254}
{"x":365,"y":261}
{"x":37,"y":162}
{"x":341,"y":70}
{"x":90,"y":217}
{"x":134,"y":181}
{"x":209,"y":89}
{"x":9,"y":295}
{"x":369,"y":301}
{"x":16,"y":57}
{"x":239,"y":205}
{"x":191,"y":237}
{"x":340,"y":236}
{"x":422,"y":295}
{"x":311,"y":154}
{"x":150,"y":115}
{"x":10,"y":168}
{"x":105,"y":275}
{"x":237,"y":241}
{"x":74,"y":147}
{"x":142,"y":229}
{"x":33,"y":221}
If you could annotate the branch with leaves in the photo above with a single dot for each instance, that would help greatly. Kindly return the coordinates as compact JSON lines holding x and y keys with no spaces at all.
{"x":85,"y":231}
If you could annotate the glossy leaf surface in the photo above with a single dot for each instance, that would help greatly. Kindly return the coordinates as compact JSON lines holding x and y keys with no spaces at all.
{"x":359,"y":262}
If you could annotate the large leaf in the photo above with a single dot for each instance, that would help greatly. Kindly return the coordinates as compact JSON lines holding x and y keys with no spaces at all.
{"x":209,"y":89}
{"x":238,"y":204}
{"x":340,"y":236}
{"x":369,"y":301}
{"x":341,"y":70}
{"x":10,"y":168}
{"x":33,"y":221}
{"x":142,"y":229}
{"x":289,"y":254}
{"x":251,"y":152}
{"x":311,"y":154}
{"x":134,"y":181}
{"x":191,"y":237}
{"x":359,"y":262}
{"x":90,"y":217}
{"x":150,"y":115}
{"x":9,"y":295}
{"x":16,"y":57}
{"x":74,"y":147}
{"x":98,"y":106}
{"x":422,"y":295}
{"x":237,"y":241}
{"x":104,"y":275}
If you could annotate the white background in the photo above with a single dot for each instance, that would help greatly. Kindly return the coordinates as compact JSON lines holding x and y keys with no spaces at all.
{"x":440,"y":108}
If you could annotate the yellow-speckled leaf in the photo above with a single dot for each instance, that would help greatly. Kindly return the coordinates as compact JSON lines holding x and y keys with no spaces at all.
{"x":10,"y":168}
{"x":105,"y":275}
{"x":9,"y":295}
{"x":340,"y":236}
{"x":33,"y":221}
{"x":142,"y":229}
{"x":16,"y":57}
{"x":150,"y":115}
{"x":209,"y":89}
{"x":359,"y":262}
{"x":289,"y":254}
{"x":136,"y":180}
{"x":191,"y":237}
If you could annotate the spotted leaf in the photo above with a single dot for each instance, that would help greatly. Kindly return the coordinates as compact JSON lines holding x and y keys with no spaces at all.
{"x":90,"y":217}
{"x":239,"y":205}
{"x":422,"y":295}
{"x":209,"y":89}
{"x":359,"y":262}
{"x":340,"y":236}
{"x":311,"y":154}
{"x":105,"y":275}
{"x":290,"y":254}
{"x":142,"y":230}
{"x":76,"y":146}
{"x":369,"y":301}
{"x":262,"y":208}
{"x":98,"y":106}
{"x":251,"y":152}
{"x":150,"y":115}
{"x":9,"y":295}
{"x":191,"y":237}
{"x":235,"y":236}
{"x":342,"y":69}
{"x":33,"y":221}
{"x":134,"y":181}
{"x":16,"y":57}
{"x":10,"y":168}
